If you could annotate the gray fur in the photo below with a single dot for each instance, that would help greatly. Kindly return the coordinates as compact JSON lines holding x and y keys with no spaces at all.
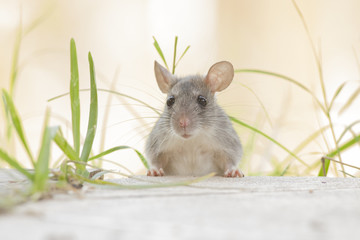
{"x":213,"y":146}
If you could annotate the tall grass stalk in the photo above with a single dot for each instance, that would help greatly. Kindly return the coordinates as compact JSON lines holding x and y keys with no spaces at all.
{"x":322,"y":82}
{"x":21,"y":33}
{"x":74,"y":97}
{"x":325,"y":106}
{"x":73,"y":153}
{"x":175,"y":61}
{"x":39,"y":178}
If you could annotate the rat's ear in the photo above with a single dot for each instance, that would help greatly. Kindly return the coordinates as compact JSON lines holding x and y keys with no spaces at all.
{"x":163,"y":77}
{"x":219,"y":76}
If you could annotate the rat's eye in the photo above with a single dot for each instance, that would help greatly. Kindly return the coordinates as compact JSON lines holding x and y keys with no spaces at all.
{"x":170,"y":101}
{"x":202,"y":100}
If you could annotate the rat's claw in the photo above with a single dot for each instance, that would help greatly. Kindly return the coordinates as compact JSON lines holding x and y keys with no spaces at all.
{"x":233,"y":172}
{"x":155,"y":172}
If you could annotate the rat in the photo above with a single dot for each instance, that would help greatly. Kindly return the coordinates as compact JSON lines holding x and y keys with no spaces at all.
{"x":194,"y":136}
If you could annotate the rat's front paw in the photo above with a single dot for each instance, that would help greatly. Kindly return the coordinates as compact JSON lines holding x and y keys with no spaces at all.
{"x":233,"y":172}
{"x":155,"y":172}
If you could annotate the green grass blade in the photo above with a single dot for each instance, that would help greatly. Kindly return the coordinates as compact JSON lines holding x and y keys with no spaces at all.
{"x":111,"y":150}
{"x":93,"y":115}
{"x":160,"y":52}
{"x":280,"y":76}
{"x":335,"y":152}
{"x":174,"y":58}
{"x":285,"y":170}
{"x":42,"y":164}
{"x":182,"y":55}
{"x":65,"y":146}
{"x":69,"y":151}
{"x":15,"y":164}
{"x":142,"y":158}
{"x":350,"y":101}
{"x":74,"y":96}
{"x":235,"y":120}
{"x":10,"y":107}
{"x":337,"y":92}
{"x":9,"y":126}
{"x":112,"y":92}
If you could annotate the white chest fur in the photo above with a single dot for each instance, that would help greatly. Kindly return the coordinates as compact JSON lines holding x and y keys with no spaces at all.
{"x":192,"y":157}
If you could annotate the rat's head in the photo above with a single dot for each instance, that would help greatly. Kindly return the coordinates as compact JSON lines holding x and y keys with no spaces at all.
{"x":190,"y":104}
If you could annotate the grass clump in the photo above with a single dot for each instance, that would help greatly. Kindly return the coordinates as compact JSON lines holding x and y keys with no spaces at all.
{"x":39,"y":178}
{"x":175,"y":61}
{"x":73,"y":170}
{"x":326,"y":108}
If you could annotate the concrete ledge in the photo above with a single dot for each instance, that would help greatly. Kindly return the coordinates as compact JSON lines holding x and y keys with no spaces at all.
{"x":218,"y":208}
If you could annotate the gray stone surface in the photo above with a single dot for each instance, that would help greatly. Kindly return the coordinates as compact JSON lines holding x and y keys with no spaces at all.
{"x":218,"y":208}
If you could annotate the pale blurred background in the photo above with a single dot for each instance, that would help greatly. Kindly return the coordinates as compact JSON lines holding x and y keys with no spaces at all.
{"x":257,"y":34}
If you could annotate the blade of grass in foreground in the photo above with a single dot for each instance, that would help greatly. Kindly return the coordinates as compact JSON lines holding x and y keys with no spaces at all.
{"x":235,"y":120}
{"x":42,"y":164}
{"x":15,"y":164}
{"x":158,"y":49}
{"x":74,"y":96}
{"x":93,"y":115}
{"x":9,"y":104}
{"x":142,"y":158}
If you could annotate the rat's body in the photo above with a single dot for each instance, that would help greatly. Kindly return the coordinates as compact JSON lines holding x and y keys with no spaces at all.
{"x":194,"y":136}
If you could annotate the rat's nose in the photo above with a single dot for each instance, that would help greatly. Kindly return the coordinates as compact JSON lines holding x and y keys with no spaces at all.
{"x":184,"y":122}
